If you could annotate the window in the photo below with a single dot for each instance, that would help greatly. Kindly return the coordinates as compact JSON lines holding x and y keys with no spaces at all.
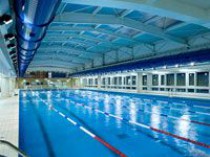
{"x":124,"y":81}
{"x":162,"y":80}
{"x":155,"y":80}
{"x":103,"y":81}
{"x":203,"y":79}
{"x":109,"y":80}
{"x":144,"y":80}
{"x":133,"y":80}
{"x":170,"y":79}
{"x":191,"y":79}
{"x":120,"y":80}
{"x":90,"y":81}
{"x":115,"y":81}
{"x":181,"y":79}
{"x":96,"y":81}
{"x":84,"y":82}
{"x":128,"y":80}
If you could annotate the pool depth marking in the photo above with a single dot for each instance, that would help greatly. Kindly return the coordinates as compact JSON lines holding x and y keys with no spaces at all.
{"x":86,"y":131}
{"x":145,"y":126}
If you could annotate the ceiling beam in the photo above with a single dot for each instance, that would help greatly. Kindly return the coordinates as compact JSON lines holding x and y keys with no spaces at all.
{"x":54,"y":62}
{"x":67,"y":37}
{"x":64,"y":54}
{"x":68,"y":50}
{"x":165,"y":8}
{"x":44,"y":66}
{"x":110,"y":19}
{"x":100,"y":30}
{"x":60,"y":56}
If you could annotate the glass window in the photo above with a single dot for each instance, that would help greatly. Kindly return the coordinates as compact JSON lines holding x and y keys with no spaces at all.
{"x":120,"y":80}
{"x":109,"y":80}
{"x":155,"y":80}
{"x":191,"y":79}
{"x":103,"y":81}
{"x":133,"y":80}
{"x":115,"y":80}
{"x":90,"y":81}
{"x":170,"y":79}
{"x":84,"y":82}
{"x":96,"y":81}
{"x":144,"y":80}
{"x":162,"y":80}
{"x":181,"y":79}
{"x":203,"y":79}
{"x":128,"y":80}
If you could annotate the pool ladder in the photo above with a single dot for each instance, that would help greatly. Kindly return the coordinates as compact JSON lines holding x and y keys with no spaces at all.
{"x":15,"y":148}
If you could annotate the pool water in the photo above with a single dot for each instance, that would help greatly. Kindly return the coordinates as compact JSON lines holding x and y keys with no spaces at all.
{"x":82,"y":123}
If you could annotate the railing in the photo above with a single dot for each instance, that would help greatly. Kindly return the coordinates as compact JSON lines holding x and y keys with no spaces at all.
{"x":15,"y":148}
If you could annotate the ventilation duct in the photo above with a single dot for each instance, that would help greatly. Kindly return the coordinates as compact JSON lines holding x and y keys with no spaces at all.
{"x":33,"y":18}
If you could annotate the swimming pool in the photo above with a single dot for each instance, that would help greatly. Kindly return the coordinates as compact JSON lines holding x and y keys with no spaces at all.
{"x":82,"y":123}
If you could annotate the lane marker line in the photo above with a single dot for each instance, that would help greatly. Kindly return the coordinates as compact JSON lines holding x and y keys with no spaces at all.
{"x":150,"y":127}
{"x":181,"y":138}
{"x":172,"y":108}
{"x":86,"y":131}
{"x":172,"y":117}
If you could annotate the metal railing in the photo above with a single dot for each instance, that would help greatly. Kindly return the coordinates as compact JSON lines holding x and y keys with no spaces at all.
{"x":15,"y":148}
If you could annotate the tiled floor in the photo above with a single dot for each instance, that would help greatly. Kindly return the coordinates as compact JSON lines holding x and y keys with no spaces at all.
{"x":9,"y":114}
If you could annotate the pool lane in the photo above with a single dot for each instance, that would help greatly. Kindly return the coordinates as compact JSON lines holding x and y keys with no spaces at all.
{"x":127,"y":138}
{"x":44,"y":133}
{"x":184,"y":138}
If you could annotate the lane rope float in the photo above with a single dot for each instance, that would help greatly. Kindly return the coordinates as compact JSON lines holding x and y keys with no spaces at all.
{"x":145,"y":126}
{"x":168,"y":116}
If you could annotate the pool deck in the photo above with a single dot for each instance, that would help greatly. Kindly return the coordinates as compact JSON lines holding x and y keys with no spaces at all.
{"x":9,"y":124}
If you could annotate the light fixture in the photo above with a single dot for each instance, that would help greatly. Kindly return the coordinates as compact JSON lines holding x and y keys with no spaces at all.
{"x":11,"y":46}
{"x":192,"y":63}
{"x":12,"y":52}
{"x":13,"y":57}
{"x":5,"y":19}
{"x":9,"y":36}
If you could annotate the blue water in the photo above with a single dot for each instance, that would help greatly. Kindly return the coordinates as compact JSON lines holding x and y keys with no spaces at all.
{"x":44,"y":133}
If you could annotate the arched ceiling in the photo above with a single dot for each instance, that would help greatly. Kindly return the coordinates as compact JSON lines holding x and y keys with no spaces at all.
{"x":87,"y":34}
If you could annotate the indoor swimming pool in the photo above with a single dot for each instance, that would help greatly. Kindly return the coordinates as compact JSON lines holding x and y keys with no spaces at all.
{"x":84,"y":123}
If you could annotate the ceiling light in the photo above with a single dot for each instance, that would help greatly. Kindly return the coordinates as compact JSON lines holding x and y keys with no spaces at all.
{"x":9,"y":37}
{"x":14,"y":57}
{"x":12,"y":52}
{"x":5,"y":19}
{"x":11,"y":46}
{"x":192,"y":63}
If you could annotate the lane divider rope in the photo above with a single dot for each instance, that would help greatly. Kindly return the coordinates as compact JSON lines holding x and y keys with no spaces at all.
{"x":146,"y":126}
{"x":191,"y":105}
{"x":86,"y":131}
{"x":168,"y":116}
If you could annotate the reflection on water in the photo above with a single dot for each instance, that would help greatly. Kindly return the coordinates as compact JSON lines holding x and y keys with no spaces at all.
{"x":133,"y":111}
{"x":118,"y":110}
{"x":155,"y":118}
{"x":150,"y":115}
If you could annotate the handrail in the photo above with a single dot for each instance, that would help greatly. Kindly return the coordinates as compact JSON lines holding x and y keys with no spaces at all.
{"x":20,"y":152}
